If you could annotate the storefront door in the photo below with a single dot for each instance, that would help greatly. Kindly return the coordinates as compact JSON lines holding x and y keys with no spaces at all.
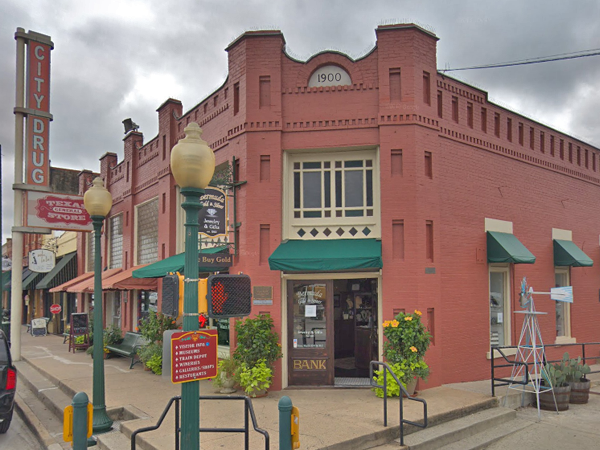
{"x":310,"y":331}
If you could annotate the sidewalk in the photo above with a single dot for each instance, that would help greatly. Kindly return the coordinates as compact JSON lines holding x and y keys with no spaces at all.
{"x":333,"y":418}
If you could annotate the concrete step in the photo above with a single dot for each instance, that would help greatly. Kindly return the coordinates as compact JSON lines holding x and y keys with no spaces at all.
{"x":484,"y":439}
{"x":41,"y":402}
{"x":453,"y":431}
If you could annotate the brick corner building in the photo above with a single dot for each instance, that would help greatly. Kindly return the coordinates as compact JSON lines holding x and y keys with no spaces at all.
{"x":357,"y":189}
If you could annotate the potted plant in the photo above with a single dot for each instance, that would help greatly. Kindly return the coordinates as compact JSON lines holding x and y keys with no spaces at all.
{"x":153,"y":327}
{"x":225,"y":379}
{"x":111,"y":335}
{"x":150,"y":352}
{"x":555,"y":376}
{"x":257,"y":350}
{"x":256,"y":379}
{"x":575,"y":375}
{"x":407,"y":340}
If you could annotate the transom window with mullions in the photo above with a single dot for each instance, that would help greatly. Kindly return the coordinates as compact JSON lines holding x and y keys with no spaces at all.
{"x":336,"y":188}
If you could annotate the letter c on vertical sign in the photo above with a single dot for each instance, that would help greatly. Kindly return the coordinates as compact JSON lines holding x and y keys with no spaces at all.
{"x":38,"y":49}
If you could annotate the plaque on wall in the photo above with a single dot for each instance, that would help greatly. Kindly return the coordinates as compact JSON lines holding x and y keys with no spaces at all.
{"x":262,"y":295}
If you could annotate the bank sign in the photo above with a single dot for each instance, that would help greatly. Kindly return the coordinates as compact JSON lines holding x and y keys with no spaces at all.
{"x":213,"y":215}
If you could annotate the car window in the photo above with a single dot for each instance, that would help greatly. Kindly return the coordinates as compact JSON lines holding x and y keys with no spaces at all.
{"x":3,"y":351}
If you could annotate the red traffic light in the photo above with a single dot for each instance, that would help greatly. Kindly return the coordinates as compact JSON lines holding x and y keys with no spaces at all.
{"x":229,"y":296}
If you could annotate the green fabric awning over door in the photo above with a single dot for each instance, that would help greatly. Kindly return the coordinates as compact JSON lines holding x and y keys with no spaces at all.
{"x":566,"y":253}
{"x":64,"y":270}
{"x":506,"y":248}
{"x":327,"y":255}
{"x":172,"y":264}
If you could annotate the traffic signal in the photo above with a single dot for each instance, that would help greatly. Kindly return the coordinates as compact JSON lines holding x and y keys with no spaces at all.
{"x":170,"y":304}
{"x":173,"y":291}
{"x":229,"y":296}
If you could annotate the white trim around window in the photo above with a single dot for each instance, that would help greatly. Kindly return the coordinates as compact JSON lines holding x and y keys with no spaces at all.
{"x":499,"y":306}
{"x":562,"y":277}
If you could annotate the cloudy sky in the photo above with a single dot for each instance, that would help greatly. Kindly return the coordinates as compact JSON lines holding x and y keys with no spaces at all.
{"x":115,"y":59}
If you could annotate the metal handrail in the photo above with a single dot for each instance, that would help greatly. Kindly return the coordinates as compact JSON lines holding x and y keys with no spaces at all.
{"x":505,"y":381}
{"x":511,"y":363}
{"x":248,"y":413}
{"x":387,"y":369}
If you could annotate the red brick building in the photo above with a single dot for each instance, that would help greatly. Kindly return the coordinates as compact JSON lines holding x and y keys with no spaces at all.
{"x":372,"y":186}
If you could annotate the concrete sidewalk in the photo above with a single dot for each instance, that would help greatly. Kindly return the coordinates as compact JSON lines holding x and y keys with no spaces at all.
{"x":332,"y":418}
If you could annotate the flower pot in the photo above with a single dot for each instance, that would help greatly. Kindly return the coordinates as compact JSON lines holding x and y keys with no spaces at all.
{"x":580,"y":391}
{"x":227,"y":385}
{"x":411,"y":386}
{"x":562,"y":395}
{"x":260,"y":393}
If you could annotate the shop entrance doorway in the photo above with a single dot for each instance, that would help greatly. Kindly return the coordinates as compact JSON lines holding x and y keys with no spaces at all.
{"x":332,"y":331}
{"x":355,"y":329}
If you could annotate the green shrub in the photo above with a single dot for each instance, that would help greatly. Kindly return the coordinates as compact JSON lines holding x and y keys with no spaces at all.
{"x":147,"y":351}
{"x":257,"y":341}
{"x":153,"y":327}
{"x":255,"y":378}
{"x":155,"y":363}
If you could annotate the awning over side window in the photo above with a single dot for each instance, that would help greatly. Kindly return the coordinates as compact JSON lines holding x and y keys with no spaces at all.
{"x":172,"y":264}
{"x":327,"y":255}
{"x":124,"y":281}
{"x":506,"y":248}
{"x":566,"y":253}
{"x":32,"y":280}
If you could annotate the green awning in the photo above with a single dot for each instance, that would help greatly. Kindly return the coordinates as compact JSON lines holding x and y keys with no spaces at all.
{"x":506,"y":248}
{"x":327,"y":255}
{"x":25,"y":274}
{"x":566,"y":253}
{"x":64,"y":270}
{"x":32,"y":280}
{"x":6,"y":279}
{"x":172,"y":264}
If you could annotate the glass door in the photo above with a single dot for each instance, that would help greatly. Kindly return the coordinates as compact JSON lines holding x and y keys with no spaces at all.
{"x":310,"y":332}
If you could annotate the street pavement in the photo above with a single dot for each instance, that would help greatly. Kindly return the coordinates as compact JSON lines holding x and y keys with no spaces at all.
{"x":18,"y":436}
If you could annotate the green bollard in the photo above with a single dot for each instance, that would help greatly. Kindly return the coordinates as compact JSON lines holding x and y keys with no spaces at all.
{"x":80,"y":420}
{"x":285,"y":423}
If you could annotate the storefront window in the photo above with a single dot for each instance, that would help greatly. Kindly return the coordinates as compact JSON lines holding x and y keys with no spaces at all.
{"x":499,"y":306}
{"x":309,"y":316}
{"x":116,"y":312}
{"x":222,"y":326}
{"x":561,"y":278}
{"x":147,"y":301}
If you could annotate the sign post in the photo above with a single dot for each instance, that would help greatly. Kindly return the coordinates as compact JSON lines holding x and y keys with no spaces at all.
{"x":193,"y":355}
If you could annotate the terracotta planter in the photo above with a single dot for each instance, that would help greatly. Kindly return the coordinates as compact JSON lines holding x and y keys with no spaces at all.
{"x":260,"y":393}
{"x":562,"y":394}
{"x":580,"y":391}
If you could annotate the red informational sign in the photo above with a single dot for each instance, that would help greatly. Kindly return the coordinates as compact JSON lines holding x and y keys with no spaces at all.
{"x":37,"y":162}
{"x":57,"y":211}
{"x":55,"y":309}
{"x":193,"y":355}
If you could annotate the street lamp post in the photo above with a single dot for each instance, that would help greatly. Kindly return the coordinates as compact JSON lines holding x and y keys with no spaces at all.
{"x":192,"y":165}
{"x":98,"y":201}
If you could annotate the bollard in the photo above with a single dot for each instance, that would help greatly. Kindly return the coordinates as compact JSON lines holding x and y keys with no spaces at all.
{"x":285,"y":423}
{"x":80,"y":421}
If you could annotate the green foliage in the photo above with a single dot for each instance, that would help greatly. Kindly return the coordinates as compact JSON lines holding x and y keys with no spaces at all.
{"x":153,"y":327}
{"x":255,"y":378}
{"x":407,"y":340}
{"x":227,"y":369}
{"x":256,"y":341}
{"x":147,"y":351}
{"x":574,"y":370}
{"x":393,"y":389}
{"x":112,"y":335}
{"x":79,"y":339}
{"x":555,"y":374}
{"x":155,"y":363}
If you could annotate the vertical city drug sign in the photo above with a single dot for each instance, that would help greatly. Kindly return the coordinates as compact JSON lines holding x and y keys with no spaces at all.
{"x":37,"y":162}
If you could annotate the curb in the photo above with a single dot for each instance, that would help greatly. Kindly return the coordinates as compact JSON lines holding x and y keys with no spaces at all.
{"x":34,"y":424}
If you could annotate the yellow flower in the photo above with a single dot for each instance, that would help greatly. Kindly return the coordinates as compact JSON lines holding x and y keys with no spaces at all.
{"x":413,"y":349}
{"x":386,"y":324}
{"x":418,"y":313}
{"x":395,"y":323}
{"x":408,"y":318}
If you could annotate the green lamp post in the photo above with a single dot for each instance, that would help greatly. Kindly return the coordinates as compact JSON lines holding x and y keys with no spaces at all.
{"x":193,"y":166}
{"x":98,"y":201}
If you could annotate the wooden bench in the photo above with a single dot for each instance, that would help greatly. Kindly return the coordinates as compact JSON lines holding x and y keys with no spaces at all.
{"x":129,"y":347}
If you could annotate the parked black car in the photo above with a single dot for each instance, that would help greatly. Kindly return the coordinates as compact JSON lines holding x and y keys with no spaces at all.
{"x":8,"y":384}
